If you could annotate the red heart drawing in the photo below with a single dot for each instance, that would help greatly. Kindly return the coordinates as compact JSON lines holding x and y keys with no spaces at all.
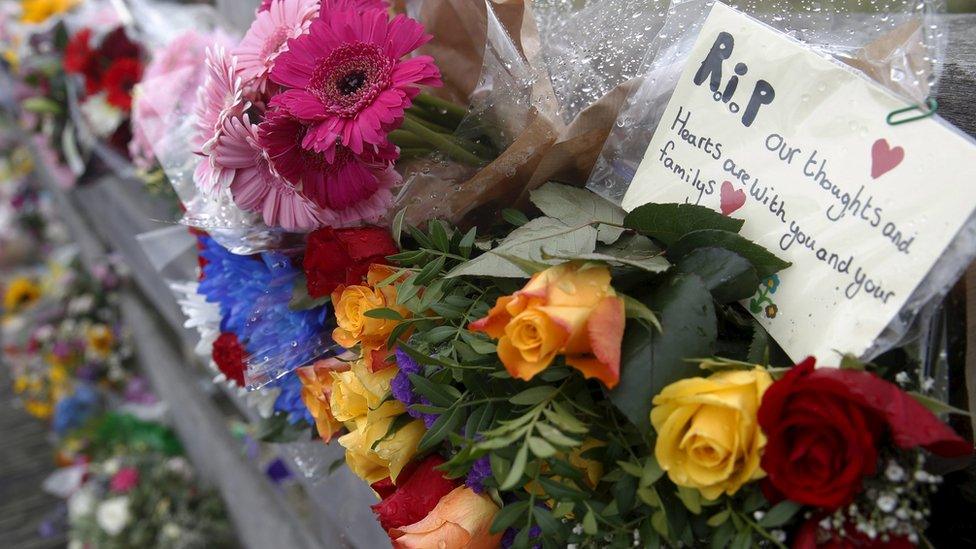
{"x":732,"y":199}
{"x":884,"y":158}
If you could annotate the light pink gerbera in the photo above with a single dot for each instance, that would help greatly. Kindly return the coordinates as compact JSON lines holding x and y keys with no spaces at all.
{"x":256,"y":188}
{"x":346,"y":77}
{"x":335,"y":179}
{"x":268,"y":38}
{"x":220,"y":98}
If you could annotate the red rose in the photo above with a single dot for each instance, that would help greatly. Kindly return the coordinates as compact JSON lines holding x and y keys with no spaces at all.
{"x":228,"y":355}
{"x":120,"y":78}
{"x":824,"y":427}
{"x":418,"y":492}
{"x":117,"y":45}
{"x":811,"y":536}
{"x":342,"y":256}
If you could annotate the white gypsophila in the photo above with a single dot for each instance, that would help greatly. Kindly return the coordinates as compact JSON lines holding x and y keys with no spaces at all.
{"x":111,"y":466}
{"x":81,"y":503}
{"x":113,"y":515}
{"x":102,"y":117}
{"x":81,"y":305}
{"x":180,"y":466}
{"x":201,"y":315}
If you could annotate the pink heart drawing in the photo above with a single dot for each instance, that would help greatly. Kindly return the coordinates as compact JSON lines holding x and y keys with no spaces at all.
{"x":732,"y":199}
{"x":884,"y":158}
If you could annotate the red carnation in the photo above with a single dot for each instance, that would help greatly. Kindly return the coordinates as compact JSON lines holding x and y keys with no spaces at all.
{"x":824,"y":427}
{"x":342,"y":256}
{"x":228,"y":355}
{"x":417,"y":492}
{"x":121,"y":76}
{"x":811,"y":536}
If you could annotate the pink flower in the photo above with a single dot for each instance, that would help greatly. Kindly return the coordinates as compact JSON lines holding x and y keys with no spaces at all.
{"x":335,"y":179}
{"x":220,"y":99}
{"x":124,"y":480}
{"x":268,"y":38}
{"x":346,"y":77}
{"x":255,"y":187}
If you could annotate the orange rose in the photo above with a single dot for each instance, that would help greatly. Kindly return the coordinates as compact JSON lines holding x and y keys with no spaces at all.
{"x":316,"y":392}
{"x":355,"y":328}
{"x":460,"y":520}
{"x":569,"y":310}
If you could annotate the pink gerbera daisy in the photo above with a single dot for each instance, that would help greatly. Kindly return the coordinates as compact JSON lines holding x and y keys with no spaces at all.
{"x":268,"y":37}
{"x":256,"y":188}
{"x":346,"y":77}
{"x":336,"y":179}
{"x":220,"y":98}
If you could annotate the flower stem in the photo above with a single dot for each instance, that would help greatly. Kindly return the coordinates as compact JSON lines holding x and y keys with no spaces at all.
{"x":440,"y":141}
{"x":447,"y":108}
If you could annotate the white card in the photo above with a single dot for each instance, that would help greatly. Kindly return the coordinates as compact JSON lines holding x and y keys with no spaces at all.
{"x":762,"y":128}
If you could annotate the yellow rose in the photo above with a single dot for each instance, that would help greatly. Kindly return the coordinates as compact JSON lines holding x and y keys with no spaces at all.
{"x":707,"y":434}
{"x":357,"y":390}
{"x":317,"y":384}
{"x":372,"y":456}
{"x":569,"y":310}
{"x":460,"y":520}
{"x":355,"y":328}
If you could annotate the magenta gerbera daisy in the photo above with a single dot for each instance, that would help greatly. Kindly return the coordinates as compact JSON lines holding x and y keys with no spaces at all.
{"x":335,"y":179}
{"x":346,"y":77}
{"x":256,"y":188}
{"x":220,"y":98}
{"x":268,"y":38}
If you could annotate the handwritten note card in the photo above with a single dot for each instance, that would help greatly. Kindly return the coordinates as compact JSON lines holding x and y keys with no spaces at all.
{"x":762,"y":128}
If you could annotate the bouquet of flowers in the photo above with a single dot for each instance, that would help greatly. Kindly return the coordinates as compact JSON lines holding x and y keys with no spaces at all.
{"x":146,"y":499}
{"x":586,"y":406}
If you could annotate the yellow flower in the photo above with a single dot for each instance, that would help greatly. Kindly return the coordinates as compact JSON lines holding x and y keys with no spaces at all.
{"x":355,"y":328}
{"x":460,"y":520}
{"x":38,"y":11}
{"x":707,"y":433}
{"x":100,"y":340}
{"x":360,"y":398}
{"x":569,"y":310}
{"x":317,"y":384}
{"x":373,"y":456}
{"x":21,"y":293}
{"x":39,"y":409}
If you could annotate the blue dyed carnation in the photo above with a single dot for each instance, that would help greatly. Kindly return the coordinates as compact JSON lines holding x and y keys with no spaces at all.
{"x":290,"y":401}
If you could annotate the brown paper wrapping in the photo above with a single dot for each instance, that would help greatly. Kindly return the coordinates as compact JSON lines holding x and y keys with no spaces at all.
{"x":899,"y":51}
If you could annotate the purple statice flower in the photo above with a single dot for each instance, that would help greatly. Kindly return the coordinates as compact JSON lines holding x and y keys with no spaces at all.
{"x":402,"y":388}
{"x":480,"y":470}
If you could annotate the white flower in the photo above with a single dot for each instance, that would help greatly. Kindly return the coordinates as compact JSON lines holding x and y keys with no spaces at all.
{"x":171,"y":530}
{"x":895,"y":472}
{"x":76,"y":544}
{"x":179,"y":465}
{"x":101,"y":116}
{"x":200,"y":314}
{"x":111,"y":466}
{"x":113,"y":515}
{"x":81,"y":503}
{"x":901,"y":378}
{"x":887,"y":502}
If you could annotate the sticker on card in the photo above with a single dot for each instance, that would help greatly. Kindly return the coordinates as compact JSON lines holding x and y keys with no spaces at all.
{"x":762,"y":128}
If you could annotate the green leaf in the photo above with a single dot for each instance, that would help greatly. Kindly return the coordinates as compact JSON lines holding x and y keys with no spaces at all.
{"x":717,"y":519}
{"x":546,"y":521}
{"x":384,"y":314}
{"x":659,"y":521}
{"x":851,"y":362}
{"x":446,"y":423}
{"x":467,"y":242}
{"x":652,"y":262}
{"x":762,"y":259}
{"x":438,"y":394}
{"x":396,"y":229}
{"x":635,"y":309}
{"x":438,"y":235}
{"x":565,"y":421}
{"x":508,"y":515}
{"x":440,"y":334}
{"x":527,"y":242}
{"x":577,"y":206}
{"x":670,"y":222}
{"x":759,"y":347}
{"x":691,"y":497}
{"x":518,"y":467}
{"x":533,"y":395}
{"x":478,"y":344}
{"x":652,"y":360}
{"x":589,"y":522}
{"x":430,"y":270}
{"x":937,"y":406}
{"x":556,"y":436}
{"x":406,"y":290}
{"x":631,"y":468}
{"x":651,"y":473}
{"x":528,"y":266}
{"x":541,"y":448}
{"x":780,"y":514}
{"x":41,"y":105}
{"x":723,"y":535}
{"x":400,"y":422}
{"x":561,"y":490}
{"x":514,"y":217}
{"x":726,"y":274}
{"x":300,"y":300}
